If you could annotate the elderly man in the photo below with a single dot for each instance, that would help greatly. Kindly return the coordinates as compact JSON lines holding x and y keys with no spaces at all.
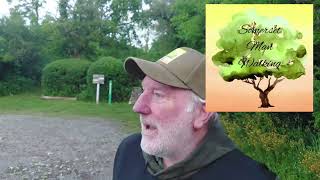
{"x":179,"y":139}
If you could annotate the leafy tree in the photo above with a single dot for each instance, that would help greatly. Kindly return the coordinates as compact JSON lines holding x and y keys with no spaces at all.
{"x":63,"y":7}
{"x":19,"y":48}
{"x":177,"y":23}
{"x":188,"y":20}
{"x":251,"y":55}
{"x":20,"y":58}
{"x":30,"y":9}
{"x":124,"y":14}
{"x":97,"y":28}
{"x":316,"y":32}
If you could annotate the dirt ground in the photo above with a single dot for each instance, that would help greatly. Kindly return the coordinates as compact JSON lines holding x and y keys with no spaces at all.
{"x":39,"y":147}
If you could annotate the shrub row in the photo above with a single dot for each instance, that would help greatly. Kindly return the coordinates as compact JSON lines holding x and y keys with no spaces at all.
{"x":64,"y":77}
{"x":15,"y":85}
{"x":73,"y":77}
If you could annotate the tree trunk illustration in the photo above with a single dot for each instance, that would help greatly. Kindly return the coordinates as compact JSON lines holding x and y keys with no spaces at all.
{"x":264,"y":100}
{"x":263,"y":94}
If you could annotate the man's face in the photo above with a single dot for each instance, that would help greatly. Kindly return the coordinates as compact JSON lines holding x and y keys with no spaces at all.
{"x":166,"y":122}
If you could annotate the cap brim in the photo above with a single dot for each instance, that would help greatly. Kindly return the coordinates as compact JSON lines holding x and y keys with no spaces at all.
{"x":139,"y":68}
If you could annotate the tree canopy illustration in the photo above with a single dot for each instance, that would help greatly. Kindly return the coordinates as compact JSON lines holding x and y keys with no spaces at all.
{"x":256,"y":48}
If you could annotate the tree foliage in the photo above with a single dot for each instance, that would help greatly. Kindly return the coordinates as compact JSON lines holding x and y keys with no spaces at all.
{"x":178,"y":23}
{"x":30,"y":9}
{"x":19,"y":48}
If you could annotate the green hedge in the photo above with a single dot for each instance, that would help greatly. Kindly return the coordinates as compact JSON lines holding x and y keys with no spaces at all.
{"x":15,"y":85}
{"x":113,"y":70}
{"x":66,"y":77}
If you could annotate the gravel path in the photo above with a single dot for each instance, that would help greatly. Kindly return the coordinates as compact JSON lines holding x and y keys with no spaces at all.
{"x":33,"y":147}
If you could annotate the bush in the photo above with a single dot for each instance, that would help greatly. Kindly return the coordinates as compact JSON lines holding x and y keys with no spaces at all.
{"x":316,"y":72}
{"x":283,"y":150}
{"x":316,"y":107}
{"x":15,"y":85}
{"x":311,"y":162}
{"x":66,"y":77}
{"x":112,"y":69}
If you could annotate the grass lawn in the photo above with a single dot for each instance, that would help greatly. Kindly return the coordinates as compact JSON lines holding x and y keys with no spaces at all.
{"x":30,"y":103}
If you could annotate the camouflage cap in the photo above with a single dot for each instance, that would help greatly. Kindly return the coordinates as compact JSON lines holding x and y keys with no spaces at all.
{"x":183,"y":68}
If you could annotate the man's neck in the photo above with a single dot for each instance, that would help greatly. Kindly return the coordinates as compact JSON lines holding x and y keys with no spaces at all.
{"x":185,"y":151}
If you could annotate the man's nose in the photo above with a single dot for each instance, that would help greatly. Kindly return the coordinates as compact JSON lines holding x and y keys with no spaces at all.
{"x":142,"y":106}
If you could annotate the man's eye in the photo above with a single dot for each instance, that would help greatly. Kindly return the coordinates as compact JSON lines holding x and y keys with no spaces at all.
{"x":158,"y":94}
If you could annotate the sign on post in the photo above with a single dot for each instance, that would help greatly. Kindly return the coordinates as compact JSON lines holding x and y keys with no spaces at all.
{"x":98,"y":79}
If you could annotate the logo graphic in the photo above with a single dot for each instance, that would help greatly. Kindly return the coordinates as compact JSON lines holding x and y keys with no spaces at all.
{"x":261,"y":52}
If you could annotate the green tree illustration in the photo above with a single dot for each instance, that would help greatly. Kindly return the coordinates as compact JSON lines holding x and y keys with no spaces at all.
{"x":255,"y":48}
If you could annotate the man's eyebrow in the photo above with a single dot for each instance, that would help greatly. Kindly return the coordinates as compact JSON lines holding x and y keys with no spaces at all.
{"x":156,"y":87}
{"x":160,"y":88}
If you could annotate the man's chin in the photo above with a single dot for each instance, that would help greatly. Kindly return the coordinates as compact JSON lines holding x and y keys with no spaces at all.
{"x":146,"y":146}
{"x":149,"y":145}
{"x":148,"y":139}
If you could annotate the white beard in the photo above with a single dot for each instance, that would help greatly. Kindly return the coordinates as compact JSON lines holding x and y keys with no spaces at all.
{"x":171,"y":138}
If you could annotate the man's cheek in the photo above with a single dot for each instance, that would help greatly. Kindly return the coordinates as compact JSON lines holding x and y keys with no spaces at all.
{"x":166,"y":111}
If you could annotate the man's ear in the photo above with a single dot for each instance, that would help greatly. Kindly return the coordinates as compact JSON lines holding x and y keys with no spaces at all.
{"x":203,"y":117}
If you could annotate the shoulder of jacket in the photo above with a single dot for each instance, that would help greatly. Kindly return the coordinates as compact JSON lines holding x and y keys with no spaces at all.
{"x":247,"y":164}
{"x":131,"y":141}
{"x":241,"y":165}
